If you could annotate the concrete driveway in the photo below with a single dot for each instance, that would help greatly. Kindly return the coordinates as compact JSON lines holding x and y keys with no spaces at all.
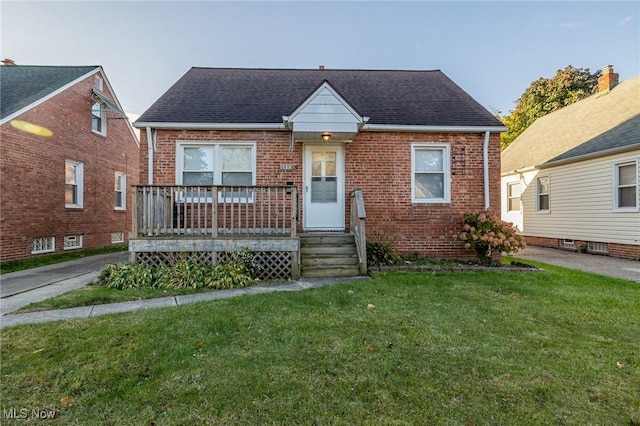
{"x":604,"y":265}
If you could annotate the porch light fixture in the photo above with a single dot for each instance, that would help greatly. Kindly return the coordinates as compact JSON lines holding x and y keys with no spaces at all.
{"x":326,"y":136}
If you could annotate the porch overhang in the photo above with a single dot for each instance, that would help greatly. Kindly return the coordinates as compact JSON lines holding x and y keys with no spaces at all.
{"x":324,"y":116}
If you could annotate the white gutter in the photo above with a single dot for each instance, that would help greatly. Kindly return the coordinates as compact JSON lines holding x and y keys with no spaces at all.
{"x":150,"y":151}
{"x":432,"y":129}
{"x":485,"y":154}
{"x":213,"y":126}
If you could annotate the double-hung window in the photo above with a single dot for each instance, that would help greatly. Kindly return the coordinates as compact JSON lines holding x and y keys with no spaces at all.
{"x":98,"y":118}
{"x":543,"y":190}
{"x":626,"y":186}
{"x":73,"y":188}
{"x":220,"y":164}
{"x":430,"y":173}
{"x":513,"y":196}
{"x":120,"y":190}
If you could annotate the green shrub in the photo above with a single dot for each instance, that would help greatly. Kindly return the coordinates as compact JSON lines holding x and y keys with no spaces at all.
{"x":381,"y":254}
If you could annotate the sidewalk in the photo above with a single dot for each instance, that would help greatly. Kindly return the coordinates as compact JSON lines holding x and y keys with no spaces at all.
{"x":113,"y":308}
{"x":18,"y":289}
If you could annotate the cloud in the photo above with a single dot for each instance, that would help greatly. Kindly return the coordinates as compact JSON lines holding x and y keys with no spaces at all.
{"x":624,"y":21}
{"x":572,"y":25}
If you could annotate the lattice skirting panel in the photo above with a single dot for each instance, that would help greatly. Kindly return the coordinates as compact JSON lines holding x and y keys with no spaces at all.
{"x":159,"y":259}
{"x":274,"y":265}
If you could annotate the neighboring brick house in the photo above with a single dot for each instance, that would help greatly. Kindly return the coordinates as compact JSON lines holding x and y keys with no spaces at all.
{"x":571,"y":180}
{"x":420,"y":149}
{"x":68,"y":156}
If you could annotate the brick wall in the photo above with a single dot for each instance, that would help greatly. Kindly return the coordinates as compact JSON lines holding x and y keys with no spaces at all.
{"x":33,"y":175}
{"x":626,"y":251}
{"x":379,"y":163}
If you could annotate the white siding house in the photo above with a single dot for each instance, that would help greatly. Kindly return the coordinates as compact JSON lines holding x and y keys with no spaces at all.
{"x":571,"y":180}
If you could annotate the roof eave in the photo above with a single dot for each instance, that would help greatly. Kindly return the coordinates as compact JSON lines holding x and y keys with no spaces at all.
{"x":432,"y":129}
{"x":589,"y":156}
{"x":209,"y":126}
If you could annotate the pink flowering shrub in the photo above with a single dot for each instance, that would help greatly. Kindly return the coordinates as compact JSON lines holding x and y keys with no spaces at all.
{"x":486,"y":233}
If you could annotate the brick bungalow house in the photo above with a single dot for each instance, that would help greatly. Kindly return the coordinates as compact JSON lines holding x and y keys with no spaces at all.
{"x":68,"y":155}
{"x":406,"y":152}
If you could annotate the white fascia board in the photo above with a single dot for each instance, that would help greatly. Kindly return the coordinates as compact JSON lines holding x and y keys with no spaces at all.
{"x":590,"y":156}
{"x":518,"y":171}
{"x":211,"y":126}
{"x":49,"y":96}
{"x":327,"y":86}
{"x":432,"y":129}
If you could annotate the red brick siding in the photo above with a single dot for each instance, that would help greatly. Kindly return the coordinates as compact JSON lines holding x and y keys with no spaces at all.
{"x":379,"y":163}
{"x":33,"y":175}
{"x":626,"y":251}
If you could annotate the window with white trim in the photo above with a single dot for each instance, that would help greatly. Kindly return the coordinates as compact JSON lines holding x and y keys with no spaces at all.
{"x":513,"y":196}
{"x":626,"y":186}
{"x":73,"y":188}
{"x":98,"y":118}
{"x":120,"y":191}
{"x":72,"y":242}
{"x":228,"y":164}
{"x":543,"y":191}
{"x":43,"y":245}
{"x":99,"y":83}
{"x":117,"y":237}
{"x":430,"y":173}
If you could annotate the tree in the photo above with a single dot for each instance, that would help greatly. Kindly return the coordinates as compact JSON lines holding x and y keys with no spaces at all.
{"x":546,"y":95}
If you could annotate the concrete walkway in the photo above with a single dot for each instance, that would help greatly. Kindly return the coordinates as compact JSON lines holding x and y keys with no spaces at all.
{"x":9,"y":320}
{"x":18,"y":289}
{"x":603,"y":265}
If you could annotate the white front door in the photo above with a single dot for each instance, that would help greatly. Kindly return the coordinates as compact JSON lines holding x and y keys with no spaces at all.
{"x":323,"y":187}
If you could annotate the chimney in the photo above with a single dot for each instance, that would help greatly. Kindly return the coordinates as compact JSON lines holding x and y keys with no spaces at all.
{"x":8,"y":62}
{"x":607,"y":80}
{"x":321,"y":67}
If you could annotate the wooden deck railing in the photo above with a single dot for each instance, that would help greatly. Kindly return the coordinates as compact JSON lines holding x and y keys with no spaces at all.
{"x":358,"y":217}
{"x":214,"y":211}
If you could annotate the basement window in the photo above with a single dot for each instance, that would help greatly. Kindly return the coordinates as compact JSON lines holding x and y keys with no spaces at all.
{"x":596,"y":247}
{"x":72,"y":242}
{"x":43,"y":245}
{"x":117,"y":237}
{"x":569,"y":244}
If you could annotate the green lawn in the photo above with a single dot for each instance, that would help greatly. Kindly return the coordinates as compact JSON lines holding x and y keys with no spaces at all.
{"x":552,"y":347}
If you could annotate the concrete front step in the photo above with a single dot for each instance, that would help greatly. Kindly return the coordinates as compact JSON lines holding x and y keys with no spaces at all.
{"x":329,"y":271}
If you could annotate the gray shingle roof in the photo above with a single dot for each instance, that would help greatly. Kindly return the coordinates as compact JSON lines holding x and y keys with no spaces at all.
{"x":21,"y":85}
{"x":238,"y":95}
{"x":601,"y":122}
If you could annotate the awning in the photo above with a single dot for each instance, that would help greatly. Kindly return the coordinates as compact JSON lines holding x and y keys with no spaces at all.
{"x":111,"y":106}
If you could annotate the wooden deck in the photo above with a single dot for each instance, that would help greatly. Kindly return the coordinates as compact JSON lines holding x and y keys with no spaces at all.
{"x":208,"y":223}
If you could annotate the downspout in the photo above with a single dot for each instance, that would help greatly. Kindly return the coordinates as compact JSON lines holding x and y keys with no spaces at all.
{"x":150,"y":157}
{"x":485,"y":152}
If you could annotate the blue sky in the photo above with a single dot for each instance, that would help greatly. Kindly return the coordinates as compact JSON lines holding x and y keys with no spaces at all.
{"x":493,"y":50}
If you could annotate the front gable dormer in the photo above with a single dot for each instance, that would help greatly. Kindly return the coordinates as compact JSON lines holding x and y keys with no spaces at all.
{"x":325,"y":112}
